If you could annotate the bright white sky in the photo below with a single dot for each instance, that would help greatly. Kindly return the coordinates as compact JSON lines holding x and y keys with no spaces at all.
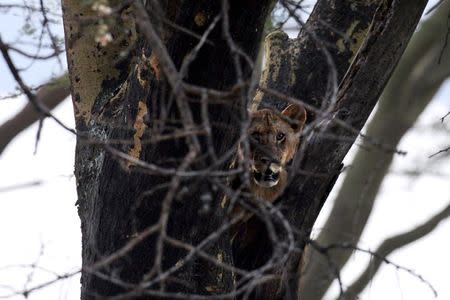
{"x":39,"y":224}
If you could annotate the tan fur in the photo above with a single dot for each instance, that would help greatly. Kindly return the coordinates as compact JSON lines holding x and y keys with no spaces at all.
{"x":272,"y":193}
{"x":267,"y":152}
{"x":265,"y":125}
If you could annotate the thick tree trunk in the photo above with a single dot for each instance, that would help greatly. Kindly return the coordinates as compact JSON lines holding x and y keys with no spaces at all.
{"x":390,"y":31}
{"x":150,"y":210}
{"x":118,"y":200}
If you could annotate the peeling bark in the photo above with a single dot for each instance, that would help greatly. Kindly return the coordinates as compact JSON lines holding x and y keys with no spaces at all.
{"x":94,"y":70}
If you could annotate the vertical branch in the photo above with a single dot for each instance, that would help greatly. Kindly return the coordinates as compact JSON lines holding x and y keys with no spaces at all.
{"x":299,"y":67}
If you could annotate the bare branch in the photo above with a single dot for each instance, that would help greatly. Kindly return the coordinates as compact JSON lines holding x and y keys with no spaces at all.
{"x":393,"y":118}
{"x":390,"y":245}
{"x":443,"y":118}
{"x":42,"y":109}
{"x":439,"y":152}
{"x":49,"y":96}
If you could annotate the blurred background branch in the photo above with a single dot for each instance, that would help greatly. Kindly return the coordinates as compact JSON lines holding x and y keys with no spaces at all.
{"x":49,"y":95}
{"x":417,"y":78}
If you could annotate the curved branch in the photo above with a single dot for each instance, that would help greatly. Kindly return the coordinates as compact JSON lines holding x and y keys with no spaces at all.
{"x":389,"y":246}
{"x":49,"y":96}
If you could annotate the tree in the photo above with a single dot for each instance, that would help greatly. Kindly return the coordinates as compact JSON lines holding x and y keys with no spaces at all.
{"x":408,"y":92}
{"x":153,"y":151}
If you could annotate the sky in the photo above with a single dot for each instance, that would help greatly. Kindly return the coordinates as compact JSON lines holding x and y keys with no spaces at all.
{"x":39,"y":222}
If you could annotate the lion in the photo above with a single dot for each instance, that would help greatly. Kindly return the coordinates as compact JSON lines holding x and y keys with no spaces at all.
{"x":274,"y":140}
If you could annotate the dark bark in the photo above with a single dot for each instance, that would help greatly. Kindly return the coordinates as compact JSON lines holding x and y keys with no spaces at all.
{"x":112,"y":207}
{"x":325,"y":47}
{"x":305,"y":60}
{"x":113,"y":204}
{"x":392,"y":27}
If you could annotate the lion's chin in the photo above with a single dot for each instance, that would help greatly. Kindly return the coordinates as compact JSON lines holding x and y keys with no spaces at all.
{"x":266,"y":181}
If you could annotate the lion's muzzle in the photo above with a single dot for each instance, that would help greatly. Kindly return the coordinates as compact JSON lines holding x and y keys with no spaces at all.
{"x":266,"y":175}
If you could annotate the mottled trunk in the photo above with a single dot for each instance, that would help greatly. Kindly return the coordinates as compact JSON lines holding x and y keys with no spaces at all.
{"x":122,"y":99}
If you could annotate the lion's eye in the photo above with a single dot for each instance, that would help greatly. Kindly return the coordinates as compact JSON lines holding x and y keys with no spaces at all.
{"x":280,"y":136}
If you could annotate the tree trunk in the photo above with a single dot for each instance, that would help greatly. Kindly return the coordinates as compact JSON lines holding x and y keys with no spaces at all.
{"x":408,"y":92}
{"x":119,"y":200}
{"x":149,"y":204}
{"x":391,"y":28}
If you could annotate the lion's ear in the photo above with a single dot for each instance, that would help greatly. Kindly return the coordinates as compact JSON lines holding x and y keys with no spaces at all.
{"x":296,"y":115}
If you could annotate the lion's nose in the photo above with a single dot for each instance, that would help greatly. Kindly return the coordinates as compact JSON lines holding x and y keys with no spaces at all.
{"x":268,"y":172}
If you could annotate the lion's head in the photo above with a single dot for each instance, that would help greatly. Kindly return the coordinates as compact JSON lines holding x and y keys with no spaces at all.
{"x":274,"y":139}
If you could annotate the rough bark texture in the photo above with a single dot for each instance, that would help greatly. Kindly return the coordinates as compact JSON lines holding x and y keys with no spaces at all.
{"x":307,"y":67}
{"x":292,"y":63}
{"x":414,"y":83}
{"x":111,"y":206}
{"x":335,"y":29}
{"x":94,"y":71}
{"x":391,"y":29}
{"x":121,"y":99}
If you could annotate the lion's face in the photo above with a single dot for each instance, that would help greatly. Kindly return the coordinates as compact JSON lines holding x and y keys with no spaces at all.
{"x":274,"y":140}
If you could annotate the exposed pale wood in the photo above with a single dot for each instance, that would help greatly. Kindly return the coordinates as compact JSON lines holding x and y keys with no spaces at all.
{"x":94,"y":70}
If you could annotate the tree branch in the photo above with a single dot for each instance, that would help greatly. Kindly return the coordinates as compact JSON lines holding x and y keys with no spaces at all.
{"x":390,"y":245}
{"x":50,"y":95}
{"x":406,"y":95}
{"x":286,"y":74}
